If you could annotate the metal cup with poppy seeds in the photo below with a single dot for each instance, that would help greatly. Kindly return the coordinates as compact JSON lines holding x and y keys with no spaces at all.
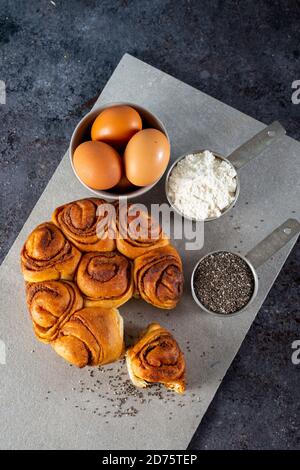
{"x":224,"y":283}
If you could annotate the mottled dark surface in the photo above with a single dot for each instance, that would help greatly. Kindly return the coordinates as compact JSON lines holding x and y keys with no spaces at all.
{"x":54,"y":58}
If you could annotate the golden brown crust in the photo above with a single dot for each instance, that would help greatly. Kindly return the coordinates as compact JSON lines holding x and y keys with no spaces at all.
{"x":79,"y":319}
{"x":158,"y":277}
{"x":51,"y":304}
{"x":137,"y":232}
{"x":105,"y":279}
{"x":82,"y":225}
{"x":157,"y":358}
{"x":93,"y":336}
{"x":48,"y":255}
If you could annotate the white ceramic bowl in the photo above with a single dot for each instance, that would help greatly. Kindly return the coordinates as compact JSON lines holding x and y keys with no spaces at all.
{"x":82,"y":133}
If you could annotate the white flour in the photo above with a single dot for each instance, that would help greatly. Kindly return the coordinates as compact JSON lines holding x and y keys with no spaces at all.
{"x":202,"y":185}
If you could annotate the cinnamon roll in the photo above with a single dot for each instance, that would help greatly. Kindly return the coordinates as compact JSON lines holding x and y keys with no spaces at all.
{"x":48,"y":255}
{"x":51,"y":304}
{"x":86,"y":225}
{"x":137,"y":231}
{"x":92,"y":336}
{"x":156,"y":358}
{"x":158,"y":277}
{"x":105,"y":279}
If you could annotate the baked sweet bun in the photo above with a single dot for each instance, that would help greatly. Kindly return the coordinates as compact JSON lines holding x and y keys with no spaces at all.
{"x":92,"y":336}
{"x":75,"y":280}
{"x":87,"y":224}
{"x":156,"y":358}
{"x":48,"y":255}
{"x":158,"y":277}
{"x":137,"y":231}
{"x":105,"y":279}
{"x":51,"y":304}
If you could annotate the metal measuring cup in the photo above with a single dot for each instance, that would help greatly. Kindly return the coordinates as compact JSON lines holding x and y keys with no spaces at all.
{"x":262,"y":252}
{"x":237,"y":159}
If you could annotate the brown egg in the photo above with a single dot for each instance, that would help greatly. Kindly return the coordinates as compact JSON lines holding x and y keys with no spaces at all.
{"x":124,"y":186}
{"x":116,"y":125}
{"x":97,"y":164}
{"x":146,"y":157}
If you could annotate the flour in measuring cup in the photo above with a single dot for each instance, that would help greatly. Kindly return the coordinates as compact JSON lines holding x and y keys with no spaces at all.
{"x":202,"y":185}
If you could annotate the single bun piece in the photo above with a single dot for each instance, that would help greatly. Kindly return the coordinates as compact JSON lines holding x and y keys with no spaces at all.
{"x":51,"y":304}
{"x":48,"y":255}
{"x":105,"y":279}
{"x":158,"y":277}
{"x":156,"y":358}
{"x":137,"y":232}
{"x":93,"y":336}
{"x":116,"y":125}
{"x":86,"y":224}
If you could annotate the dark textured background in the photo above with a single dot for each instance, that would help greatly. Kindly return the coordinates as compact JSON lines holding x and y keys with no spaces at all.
{"x":56,"y":58}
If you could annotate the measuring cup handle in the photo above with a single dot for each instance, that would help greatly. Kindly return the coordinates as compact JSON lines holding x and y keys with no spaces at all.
{"x":253,"y":147}
{"x":273,"y":242}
